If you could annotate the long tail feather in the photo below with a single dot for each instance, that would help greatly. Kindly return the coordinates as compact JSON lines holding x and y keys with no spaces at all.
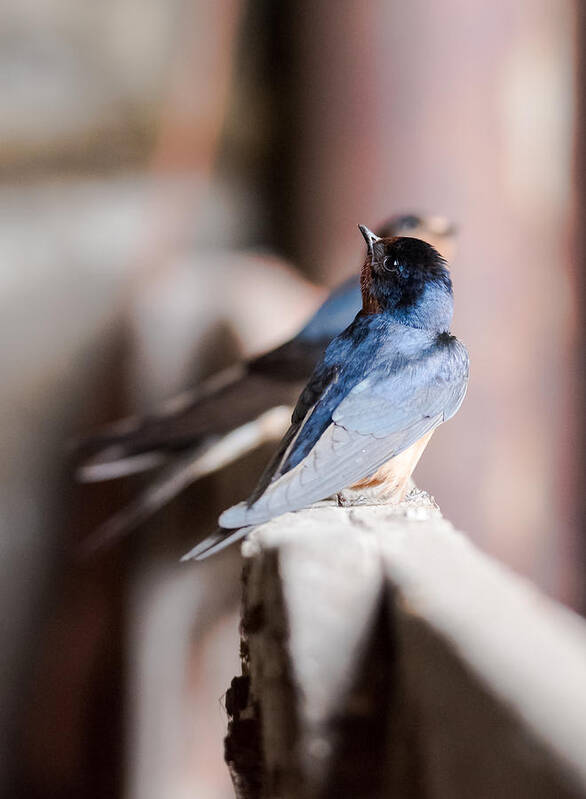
{"x":140,"y":444}
{"x":213,"y":456}
{"x":215,"y":542}
{"x":113,"y":462}
{"x":157,"y":494}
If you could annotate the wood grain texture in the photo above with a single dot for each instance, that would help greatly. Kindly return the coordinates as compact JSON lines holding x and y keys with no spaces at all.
{"x":383,"y":655}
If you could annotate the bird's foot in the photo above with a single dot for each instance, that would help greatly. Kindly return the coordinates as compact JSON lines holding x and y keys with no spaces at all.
{"x":349,"y":498}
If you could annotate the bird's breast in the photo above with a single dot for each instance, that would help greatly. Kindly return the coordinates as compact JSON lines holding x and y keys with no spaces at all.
{"x":391,"y":482}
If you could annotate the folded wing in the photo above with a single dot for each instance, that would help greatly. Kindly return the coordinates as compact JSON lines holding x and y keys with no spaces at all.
{"x":380,"y":417}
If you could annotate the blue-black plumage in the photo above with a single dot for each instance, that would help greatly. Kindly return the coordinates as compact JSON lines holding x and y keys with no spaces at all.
{"x":270,"y":379}
{"x":184,"y":433}
{"x":383,"y":385}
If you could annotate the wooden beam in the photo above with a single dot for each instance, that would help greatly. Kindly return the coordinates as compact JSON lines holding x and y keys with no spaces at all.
{"x":384,"y":655}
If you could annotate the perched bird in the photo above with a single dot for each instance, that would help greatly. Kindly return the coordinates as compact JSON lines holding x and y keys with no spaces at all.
{"x":373,"y":401}
{"x":232,"y":412}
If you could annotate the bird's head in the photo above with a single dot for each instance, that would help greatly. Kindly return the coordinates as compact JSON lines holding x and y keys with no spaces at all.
{"x":407,"y":278}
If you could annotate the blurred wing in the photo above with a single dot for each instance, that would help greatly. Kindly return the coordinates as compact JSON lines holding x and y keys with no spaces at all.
{"x":206,"y":459}
{"x":378,"y":419}
{"x":224,"y":403}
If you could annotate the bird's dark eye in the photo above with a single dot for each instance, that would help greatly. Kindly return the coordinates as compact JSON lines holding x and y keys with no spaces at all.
{"x":391,"y":264}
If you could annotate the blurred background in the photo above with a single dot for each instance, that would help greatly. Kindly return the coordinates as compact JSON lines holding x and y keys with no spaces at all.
{"x":177,"y":179}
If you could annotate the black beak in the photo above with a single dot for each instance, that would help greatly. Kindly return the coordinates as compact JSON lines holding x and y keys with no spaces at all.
{"x":369,"y":237}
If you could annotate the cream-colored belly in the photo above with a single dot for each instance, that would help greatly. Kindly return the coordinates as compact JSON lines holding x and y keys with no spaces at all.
{"x":390,"y":484}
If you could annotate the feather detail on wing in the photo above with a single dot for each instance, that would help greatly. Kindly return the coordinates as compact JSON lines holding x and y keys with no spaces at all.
{"x":379,"y":418}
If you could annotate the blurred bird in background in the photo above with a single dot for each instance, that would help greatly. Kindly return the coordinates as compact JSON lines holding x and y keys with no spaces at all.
{"x":234,"y":411}
{"x":372,"y":403}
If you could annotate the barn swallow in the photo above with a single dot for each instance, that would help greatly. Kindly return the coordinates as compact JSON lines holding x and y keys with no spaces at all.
{"x":234,"y":411}
{"x":372,"y":403}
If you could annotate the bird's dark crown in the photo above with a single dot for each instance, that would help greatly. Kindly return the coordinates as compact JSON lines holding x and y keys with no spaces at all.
{"x":408,"y":278}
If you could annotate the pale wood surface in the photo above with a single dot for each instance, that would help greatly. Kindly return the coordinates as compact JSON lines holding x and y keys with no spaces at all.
{"x":388,"y":656}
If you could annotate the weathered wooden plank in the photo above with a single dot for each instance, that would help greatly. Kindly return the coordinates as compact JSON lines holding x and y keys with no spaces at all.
{"x":384,"y":655}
